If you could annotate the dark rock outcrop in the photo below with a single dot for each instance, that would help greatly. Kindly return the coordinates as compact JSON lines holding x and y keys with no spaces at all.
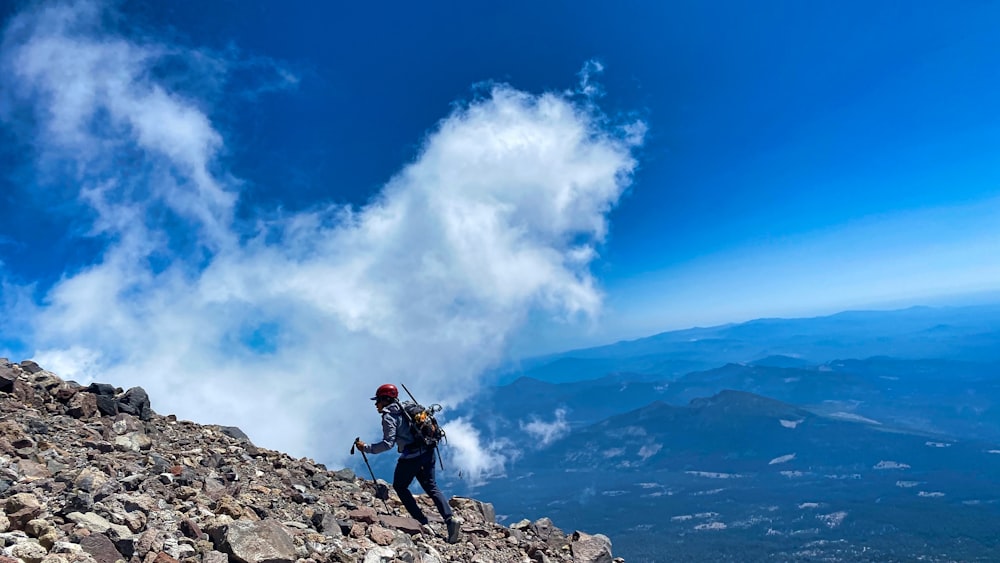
{"x":135,"y":402}
{"x":7,"y":377}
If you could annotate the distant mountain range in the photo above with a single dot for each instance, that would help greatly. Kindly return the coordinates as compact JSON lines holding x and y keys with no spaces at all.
{"x":859,"y":436}
{"x":947,"y":397}
{"x":958,"y":333}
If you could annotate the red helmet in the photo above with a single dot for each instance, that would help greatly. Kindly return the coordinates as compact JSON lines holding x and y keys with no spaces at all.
{"x":388,"y":390}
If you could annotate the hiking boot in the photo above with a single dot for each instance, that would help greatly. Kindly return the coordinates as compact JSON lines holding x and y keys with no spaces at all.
{"x":454,"y":530}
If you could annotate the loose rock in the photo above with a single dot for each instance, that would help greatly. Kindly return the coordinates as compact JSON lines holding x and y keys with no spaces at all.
{"x":93,"y":475}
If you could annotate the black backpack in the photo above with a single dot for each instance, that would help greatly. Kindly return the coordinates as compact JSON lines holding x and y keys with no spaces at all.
{"x":423,"y":425}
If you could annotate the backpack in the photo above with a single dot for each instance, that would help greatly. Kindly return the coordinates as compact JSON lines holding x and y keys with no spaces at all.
{"x":423,"y":425}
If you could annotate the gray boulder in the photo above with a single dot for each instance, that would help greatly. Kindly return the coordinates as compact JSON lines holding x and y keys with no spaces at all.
{"x":379,"y":555}
{"x":588,"y":548}
{"x":326,"y":523}
{"x":544,"y":528}
{"x":256,"y":542}
{"x":235,"y":433}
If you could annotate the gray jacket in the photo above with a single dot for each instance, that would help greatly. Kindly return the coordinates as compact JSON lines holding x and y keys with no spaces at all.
{"x":395,"y":432}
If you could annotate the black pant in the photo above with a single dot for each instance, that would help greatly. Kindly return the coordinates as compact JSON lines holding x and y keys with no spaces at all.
{"x":421,"y":467}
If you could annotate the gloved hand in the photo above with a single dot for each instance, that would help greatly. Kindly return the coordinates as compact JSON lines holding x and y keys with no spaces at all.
{"x":359,"y":444}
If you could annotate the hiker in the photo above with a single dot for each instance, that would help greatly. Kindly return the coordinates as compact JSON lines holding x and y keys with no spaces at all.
{"x":416,"y":459}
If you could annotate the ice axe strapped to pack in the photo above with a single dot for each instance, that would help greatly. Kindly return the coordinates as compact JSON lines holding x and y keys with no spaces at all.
{"x":424,"y":425}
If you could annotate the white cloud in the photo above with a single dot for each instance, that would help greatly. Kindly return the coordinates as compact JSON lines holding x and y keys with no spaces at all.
{"x":854,"y":417}
{"x":478,"y":459}
{"x":84,"y":363}
{"x":286,"y":327}
{"x":95,"y":100}
{"x":588,"y":86}
{"x":544,"y":433}
{"x":890,"y":465}
{"x":834,"y":519}
{"x":714,"y":474}
{"x":782,"y":459}
{"x":649,"y":450}
{"x":938,"y":444}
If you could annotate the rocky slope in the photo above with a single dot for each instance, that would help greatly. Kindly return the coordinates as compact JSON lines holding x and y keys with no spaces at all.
{"x":93,"y":475}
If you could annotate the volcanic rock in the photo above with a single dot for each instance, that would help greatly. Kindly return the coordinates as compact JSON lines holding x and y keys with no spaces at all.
{"x":94,"y":475}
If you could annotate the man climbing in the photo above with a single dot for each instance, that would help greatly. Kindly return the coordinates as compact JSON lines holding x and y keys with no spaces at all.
{"x":416,"y":459}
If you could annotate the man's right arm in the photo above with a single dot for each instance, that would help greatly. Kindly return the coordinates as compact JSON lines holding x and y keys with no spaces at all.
{"x":388,"y":436}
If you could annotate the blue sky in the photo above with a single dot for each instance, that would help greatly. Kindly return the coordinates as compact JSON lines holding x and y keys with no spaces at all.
{"x":303,"y":188}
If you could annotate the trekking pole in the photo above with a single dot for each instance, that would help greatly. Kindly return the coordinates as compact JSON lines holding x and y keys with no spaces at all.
{"x":374,"y":481}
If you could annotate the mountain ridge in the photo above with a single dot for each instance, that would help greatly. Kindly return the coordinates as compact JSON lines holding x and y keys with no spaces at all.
{"x":966,"y":332}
